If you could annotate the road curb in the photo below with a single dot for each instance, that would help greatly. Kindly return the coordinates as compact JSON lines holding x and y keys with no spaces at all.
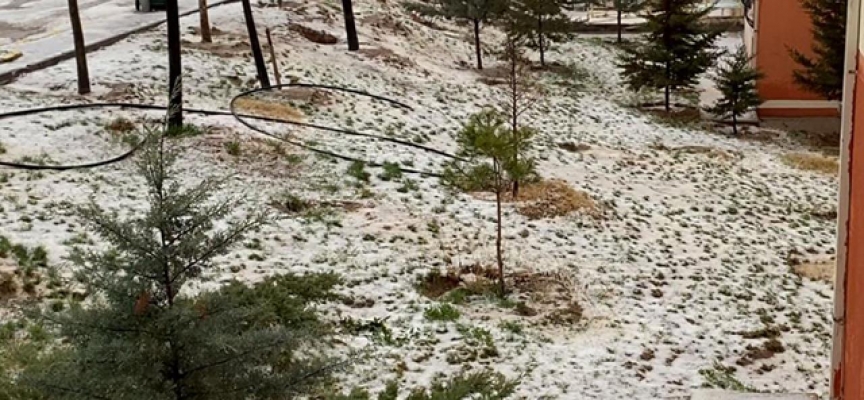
{"x":10,"y":76}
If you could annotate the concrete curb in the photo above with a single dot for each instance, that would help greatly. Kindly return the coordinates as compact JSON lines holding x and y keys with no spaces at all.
{"x":10,"y":76}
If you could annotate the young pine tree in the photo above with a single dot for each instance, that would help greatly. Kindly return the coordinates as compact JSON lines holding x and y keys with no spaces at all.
{"x":478,"y":12}
{"x":493,"y":163}
{"x":823,"y":73}
{"x":142,"y":336}
{"x":625,"y":7}
{"x":736,"y":79}
{"x":543,"y":22}
{"x":679,"y":47}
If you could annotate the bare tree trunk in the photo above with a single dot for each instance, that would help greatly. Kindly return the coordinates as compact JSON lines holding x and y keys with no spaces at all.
{"x":542,"y":45}
{"x":502,"y":285}
{"x":734,"y":122}
{"x":206,"y":37}
{"x":350,"y":26}
{"x":261,"y":68}
{"x":477,"y":43}
{"x":620,"y":27}
{"x":175,"y":82}
{"x":80,"y":50}
{"x":496,"y":165}
{"x":514,"y":108}
{"x":668,"y":98}
{"x":273,"y":58}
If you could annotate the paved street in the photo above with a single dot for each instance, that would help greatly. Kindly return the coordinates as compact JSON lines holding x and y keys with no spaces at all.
{"x":40,"y":29}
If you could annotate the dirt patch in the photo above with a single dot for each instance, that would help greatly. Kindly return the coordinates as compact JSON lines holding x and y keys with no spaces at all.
{"x":766,"y":351}
{"x":314,"y":35}
{"x":551,"y":296}
{"x":120,"y":125}
{"x":435,"y":284}
{"x":226,"y":49}
{"x":710,"y":152}
{"x":262,"y":156}
{"x":682,"y":116}
{"x":554,"y":198}
{"x":387,"y":56}
{"x":290,"y":206}
{"x":312,"y":96}
{"x":548,"y":199}
{"x":574,"y":147}
{"x":270,"y":109}
{"x":494,"y":75}
{"x":385,"y":22}
{"x":815,"y":162}
{"x":817,"y":271}
{"x":119,"y":91}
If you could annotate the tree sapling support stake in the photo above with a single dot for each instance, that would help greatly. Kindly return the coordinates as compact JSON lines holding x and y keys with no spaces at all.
{"x":273,"y":58}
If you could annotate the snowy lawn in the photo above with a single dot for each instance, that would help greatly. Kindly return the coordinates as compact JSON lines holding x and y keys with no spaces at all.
{"x":686,"y":272}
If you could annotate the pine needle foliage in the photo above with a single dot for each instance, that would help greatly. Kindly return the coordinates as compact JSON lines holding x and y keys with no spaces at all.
{"x":736,"y":80}
{"x":823,"y":72}
{"x":143,"y":336}
{"x":677,"y":49}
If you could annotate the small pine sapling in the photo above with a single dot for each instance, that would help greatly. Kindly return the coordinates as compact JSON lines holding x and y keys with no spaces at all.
{"x":736,"y":80}
{"x":522,"y":93}
{"x":493,"y":162}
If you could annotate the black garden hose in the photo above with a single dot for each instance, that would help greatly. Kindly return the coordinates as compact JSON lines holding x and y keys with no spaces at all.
{"x":240,"y":118}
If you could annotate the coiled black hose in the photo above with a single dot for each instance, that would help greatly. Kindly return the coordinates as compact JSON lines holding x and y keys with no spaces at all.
{"x":241,"y":118}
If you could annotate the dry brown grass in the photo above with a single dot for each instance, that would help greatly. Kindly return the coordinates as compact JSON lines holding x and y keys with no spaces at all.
{"x":269,"y":109}
{"x":553,"y":198}
{"x":709,"y":151}
{"x":120,"y":125}
{"x":817,"y":271}
{"x":812,"y":162}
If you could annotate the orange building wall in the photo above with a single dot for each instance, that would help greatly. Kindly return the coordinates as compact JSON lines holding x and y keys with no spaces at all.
{"x":853,"y":348}
{"x":784,"y":25}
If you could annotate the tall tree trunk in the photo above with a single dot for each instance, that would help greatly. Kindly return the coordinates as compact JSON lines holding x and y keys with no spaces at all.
{"x":542,"y":45}
{"x":667,"y":99}
{"x":261,"y":68}
{"x":80,"y":50}
{"x":206,"y":37}
{"x":477,"y":43}
{"x":620,"y":27}
{"x":734,"y":122}
{"x":350,"y":26}
{"x":175,"y":80}
{"x":502,"y":286}
{"x":668,"y":89}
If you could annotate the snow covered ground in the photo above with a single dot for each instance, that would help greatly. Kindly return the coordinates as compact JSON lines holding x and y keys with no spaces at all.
{"x":691,"y":255}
